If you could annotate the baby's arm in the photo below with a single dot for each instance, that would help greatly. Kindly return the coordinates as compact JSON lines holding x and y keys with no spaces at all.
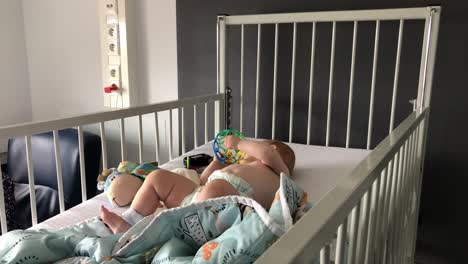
{"x":261,"y":151}
{"x":214,"y":165}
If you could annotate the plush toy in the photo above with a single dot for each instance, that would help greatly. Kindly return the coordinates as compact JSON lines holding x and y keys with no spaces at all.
{"x":189,"y":174}
{"x":123,"y":188}
{"x":122,"y":184}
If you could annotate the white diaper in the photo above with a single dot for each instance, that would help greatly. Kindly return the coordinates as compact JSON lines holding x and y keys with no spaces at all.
{"x":242,"y":186}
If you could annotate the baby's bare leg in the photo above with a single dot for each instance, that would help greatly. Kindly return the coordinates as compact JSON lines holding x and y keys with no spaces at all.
{"x":160,"y":185}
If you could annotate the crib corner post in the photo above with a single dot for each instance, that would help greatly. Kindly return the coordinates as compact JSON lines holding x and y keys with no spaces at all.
{"x":227,"y":107}
{"x":220,"y":71}
{"x":428,"y":56}
{"x":221,"y":53}
{"x":414,"y":104}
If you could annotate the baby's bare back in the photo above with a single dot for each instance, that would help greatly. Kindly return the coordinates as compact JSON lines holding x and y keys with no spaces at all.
{"x":263,"y":180}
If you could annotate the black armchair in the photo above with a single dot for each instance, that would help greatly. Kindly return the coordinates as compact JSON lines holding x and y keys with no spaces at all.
{"x":45,"y":176}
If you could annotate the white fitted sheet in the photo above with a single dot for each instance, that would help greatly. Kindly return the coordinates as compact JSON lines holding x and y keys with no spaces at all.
{"x":317,"y":171}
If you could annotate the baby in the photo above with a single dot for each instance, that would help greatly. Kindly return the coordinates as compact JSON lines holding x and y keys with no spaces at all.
{"x":256,"y":177}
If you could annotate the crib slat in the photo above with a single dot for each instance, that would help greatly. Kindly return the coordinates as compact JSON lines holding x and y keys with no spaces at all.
{"x":293,"y":74}
{"x":275,"y":69}
{"x":217,"y":116}
{"x":380,"y":213}
{"x":32,"y":193}
{"x":140,"y":139}
{"x":391,"y":211}
{"x":311,"y":82}
{"x":206,"y":123}
{"x":103,"y":145}
{"x":397,"y":204}
{"x":3,"y":221}
{"x":182,"y":127}
{"x":402,"y":204}
{"x":341,"y":243}
{"x":123,"y":144}
{"x":363,"y":228}
{"x":413,"y":198}
{"x":58,"y":167}
{"x":354,"y":227}
{"x":391,"y":187}
{"x":82,"y":164}
{"x":351,"y":85}
{"x":410,"y":194}
{"x":330,"y":84}
{"x":195,"y":128}
{"x":395,"y":79}
{"x":384,"y":226}
{"x":410,"y":202}
{"x":396,"y":239}
{"x":406,"y":194}
{"x":370,"y":249}
{"x":170,"y":135}
{"x":156,"y":135}
{"x":416,"y":186}
{"x":241,"y":117}
{"x":405,"y":204}
{"x":325,"y":255}
{"x":257,"y":80}
{"x":388,"y":213}
{"x":374,"y":72}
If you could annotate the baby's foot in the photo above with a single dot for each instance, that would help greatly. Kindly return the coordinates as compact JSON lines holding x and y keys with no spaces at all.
{"x":113,"y":221}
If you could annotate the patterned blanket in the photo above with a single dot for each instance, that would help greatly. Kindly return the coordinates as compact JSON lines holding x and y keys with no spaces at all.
{"x":230,"y":229}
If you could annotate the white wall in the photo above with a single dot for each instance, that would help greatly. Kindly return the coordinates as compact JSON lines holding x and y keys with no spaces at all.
{"x":62,"y":39}
{"x":157,"y":67}
{"x":63,"y":47}
{"x":15,"y":102}
{"x":157,"y":50}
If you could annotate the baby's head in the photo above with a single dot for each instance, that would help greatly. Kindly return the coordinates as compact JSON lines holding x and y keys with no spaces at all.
{"x":286,"y":153}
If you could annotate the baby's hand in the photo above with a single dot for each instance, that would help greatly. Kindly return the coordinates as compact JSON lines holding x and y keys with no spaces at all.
{"x":231,"y":141}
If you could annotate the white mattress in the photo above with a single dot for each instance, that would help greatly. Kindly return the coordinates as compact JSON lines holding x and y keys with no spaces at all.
{"x":317,"y":171}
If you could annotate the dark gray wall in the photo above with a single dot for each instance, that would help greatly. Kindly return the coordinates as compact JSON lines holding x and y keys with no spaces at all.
{"x":445,"y":179}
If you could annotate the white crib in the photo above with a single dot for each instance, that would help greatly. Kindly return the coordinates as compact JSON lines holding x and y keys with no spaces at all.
{"x":371,"y":215}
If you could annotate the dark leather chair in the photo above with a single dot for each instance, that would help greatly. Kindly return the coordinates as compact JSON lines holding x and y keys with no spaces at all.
{"x":45,"y":176}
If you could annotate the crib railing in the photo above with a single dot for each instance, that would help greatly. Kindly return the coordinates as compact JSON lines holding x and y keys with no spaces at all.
{"x":29,"y":129}
{"x":261,"y":22}
{"x":371,"y":215}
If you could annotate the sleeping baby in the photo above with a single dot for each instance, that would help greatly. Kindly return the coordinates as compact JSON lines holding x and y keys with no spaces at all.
{"x":256,"y":176}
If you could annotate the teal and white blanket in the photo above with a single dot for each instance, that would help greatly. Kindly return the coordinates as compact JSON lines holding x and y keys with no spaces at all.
{"x":229,"y":229}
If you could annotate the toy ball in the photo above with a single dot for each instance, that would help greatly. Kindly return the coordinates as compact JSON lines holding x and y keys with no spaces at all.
{"x":224,"y":154}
